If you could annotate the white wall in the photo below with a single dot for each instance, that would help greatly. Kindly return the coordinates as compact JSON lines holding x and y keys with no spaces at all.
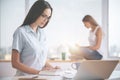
{"x":105,"y":28}
{"x":114,"y":28}
{"x":65,"y":27}
{"x":66,"y":23}
{"x":12,"y":15}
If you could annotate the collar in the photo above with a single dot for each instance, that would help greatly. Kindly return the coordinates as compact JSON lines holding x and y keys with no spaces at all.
{"x":29,"y":29}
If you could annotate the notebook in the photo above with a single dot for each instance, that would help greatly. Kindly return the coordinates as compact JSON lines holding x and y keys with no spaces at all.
{"x":53,"y":72}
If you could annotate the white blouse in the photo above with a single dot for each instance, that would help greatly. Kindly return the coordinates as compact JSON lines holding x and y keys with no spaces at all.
{"x":31,"y":46}
{"x":92,"y":37}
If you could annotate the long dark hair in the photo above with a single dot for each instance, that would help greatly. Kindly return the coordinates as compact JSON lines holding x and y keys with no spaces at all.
{"x":90,"y":19}
{"x":36,"y":10}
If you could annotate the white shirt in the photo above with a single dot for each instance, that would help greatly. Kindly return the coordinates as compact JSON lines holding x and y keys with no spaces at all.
{"x":92,"y":38}
{"x":31,"y":47}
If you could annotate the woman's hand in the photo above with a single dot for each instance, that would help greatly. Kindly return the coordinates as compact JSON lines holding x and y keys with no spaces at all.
{"x":92,"y":48}
{"x":47,"y":68}
{"x":57,"y":67}
{"x":50,"y":67}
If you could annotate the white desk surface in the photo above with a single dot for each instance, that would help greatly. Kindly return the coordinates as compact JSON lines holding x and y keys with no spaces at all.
{"x":114,"y":76}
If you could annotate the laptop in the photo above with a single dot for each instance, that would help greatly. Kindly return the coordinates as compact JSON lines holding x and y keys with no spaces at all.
{"x":95,"y":69}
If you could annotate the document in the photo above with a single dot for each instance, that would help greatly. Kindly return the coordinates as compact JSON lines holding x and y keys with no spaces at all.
{"x":54,"y":72}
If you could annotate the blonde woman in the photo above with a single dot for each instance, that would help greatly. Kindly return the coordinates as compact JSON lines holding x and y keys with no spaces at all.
{"x":92,"y":52}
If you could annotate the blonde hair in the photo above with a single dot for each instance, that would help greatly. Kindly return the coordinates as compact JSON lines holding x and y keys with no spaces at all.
{"x":90,"y":19}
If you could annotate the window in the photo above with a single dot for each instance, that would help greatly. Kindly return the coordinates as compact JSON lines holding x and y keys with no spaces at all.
{"x":12,"y":13}
{"x":114,"y":28}
{"x":65,"y":26}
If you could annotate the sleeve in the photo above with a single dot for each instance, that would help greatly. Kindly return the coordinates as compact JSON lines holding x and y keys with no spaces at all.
{"x":17,"y":41}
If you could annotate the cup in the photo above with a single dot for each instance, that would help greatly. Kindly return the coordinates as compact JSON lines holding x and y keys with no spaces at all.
{"x":63,"y":55}
{"x":75,"y":65}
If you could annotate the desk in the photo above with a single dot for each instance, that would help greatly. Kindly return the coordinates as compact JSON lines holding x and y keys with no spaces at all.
{"x":114,"y":76}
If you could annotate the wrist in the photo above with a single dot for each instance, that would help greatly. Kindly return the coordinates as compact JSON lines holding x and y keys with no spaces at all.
{"x":38,"y":72}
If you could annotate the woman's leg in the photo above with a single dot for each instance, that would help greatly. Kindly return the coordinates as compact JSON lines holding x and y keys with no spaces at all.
{"x":91,"y":54}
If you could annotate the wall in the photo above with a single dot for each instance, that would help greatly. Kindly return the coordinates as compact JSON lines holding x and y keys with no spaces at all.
{"x":65,"y":27}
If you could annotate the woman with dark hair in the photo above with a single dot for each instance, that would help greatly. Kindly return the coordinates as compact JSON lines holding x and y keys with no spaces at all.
{"x":29,"y":52}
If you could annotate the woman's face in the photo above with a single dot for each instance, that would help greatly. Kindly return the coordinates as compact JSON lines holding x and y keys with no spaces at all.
{"x":87,"y":24}
{"x":44,"y":17}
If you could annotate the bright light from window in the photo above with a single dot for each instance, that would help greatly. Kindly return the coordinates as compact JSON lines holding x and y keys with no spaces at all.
{"x":114,"y":28}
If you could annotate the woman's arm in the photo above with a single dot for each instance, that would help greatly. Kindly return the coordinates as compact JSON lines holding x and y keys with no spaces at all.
{"x":98,"y":40}
{"x":18,"y":65}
